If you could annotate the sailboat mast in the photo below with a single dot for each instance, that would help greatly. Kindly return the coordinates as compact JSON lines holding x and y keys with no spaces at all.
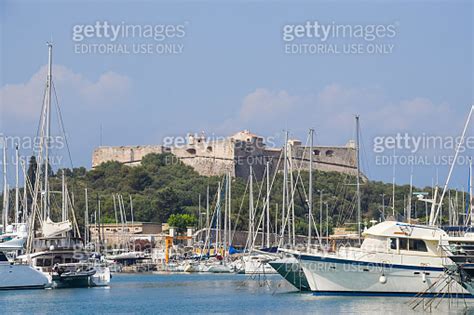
{"x":268,"y":205}
{"x":25,"y":194}
{"x":208,"y":227}
{"x":131,"y":211}
{"x":358,"y":179}
{"x":471,"y":208}
{"x":409,"y":198}
{"x":86,"y":218}
{"x":218,"y":216}
{"x":17,"y":189}
{"x":5,"y":188}
{"x":115,"y":209}
{"x":251,"y":214}
{"x":292,"y":202}
{"x":285,"y":179}
{"x":393,"y":187}
{"x":310,"y":189}
{"x":48,"y":130}
{"x":229,"y":198}
{"x":63,"y":193}
{"x":225,"y":212}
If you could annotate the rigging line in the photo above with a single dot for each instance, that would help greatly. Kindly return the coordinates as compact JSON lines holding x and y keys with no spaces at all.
{"x":352,"y":208}
{"x":41,"y":116}
{"x":61,"y":123}
{"x":271,"y":184}
{"x":214,"y":216}
{"x":264,"y":198}
{"x":240,"y":209}
{"x":362,"y":146}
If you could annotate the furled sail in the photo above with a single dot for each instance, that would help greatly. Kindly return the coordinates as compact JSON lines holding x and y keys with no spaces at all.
{"x":51,"y":228}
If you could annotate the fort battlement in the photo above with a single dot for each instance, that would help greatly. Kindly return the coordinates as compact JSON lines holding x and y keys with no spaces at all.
{"x":236,"y":154}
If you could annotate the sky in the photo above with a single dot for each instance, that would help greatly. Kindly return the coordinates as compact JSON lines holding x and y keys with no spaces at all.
{"x":230,"y":67}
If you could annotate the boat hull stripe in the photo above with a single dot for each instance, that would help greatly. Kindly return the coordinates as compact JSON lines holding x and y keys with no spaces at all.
{"x":366,"y":263}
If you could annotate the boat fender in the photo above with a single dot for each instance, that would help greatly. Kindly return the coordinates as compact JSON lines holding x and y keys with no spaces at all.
{"x":383,"y":279}
{"x":423,"y":277}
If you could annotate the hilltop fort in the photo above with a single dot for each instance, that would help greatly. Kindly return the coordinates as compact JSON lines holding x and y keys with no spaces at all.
{"x":236,"y":154}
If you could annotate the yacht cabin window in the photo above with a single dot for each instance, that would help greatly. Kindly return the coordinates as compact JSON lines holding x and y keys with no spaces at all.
{"x":408,"y":244}
{"x":393,"y":243}
{"x":418,"y":245}
{"x":402,"y":244}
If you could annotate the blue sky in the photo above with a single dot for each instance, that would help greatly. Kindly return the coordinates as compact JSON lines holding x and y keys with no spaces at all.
{"x":233,"y":74}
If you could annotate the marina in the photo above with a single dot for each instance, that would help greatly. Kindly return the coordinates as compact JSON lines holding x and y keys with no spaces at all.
{"x":240,"y":158}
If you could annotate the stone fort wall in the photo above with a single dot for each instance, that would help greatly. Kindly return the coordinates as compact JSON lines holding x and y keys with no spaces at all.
{"x":236,"y":154}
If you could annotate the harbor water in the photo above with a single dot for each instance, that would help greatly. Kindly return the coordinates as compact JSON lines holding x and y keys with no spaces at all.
{"x":200,"y":293}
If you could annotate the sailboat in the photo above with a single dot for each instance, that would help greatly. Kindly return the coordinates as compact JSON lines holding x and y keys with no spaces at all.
{"x":255,"y":260}
{"x":14,"y":275}
{"x":287,"y":265}
{"x":56,"y":248}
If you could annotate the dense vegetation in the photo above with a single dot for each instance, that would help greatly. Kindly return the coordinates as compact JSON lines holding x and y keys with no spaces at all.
{"x":162,"y":186}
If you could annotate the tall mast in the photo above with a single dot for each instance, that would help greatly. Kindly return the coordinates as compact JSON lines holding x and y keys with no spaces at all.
{"x":251,"y":214}
{"x":5,"y":188}
{"x":393,"y":188}
{"x":208,"y":227}
{"x":285,"y":194}
{"x":115,"y":209}
{"x":25,"y":194}
{"x":86,"y":218}
{"x":229,"y":198}
{"x":17,"y":189}
{"x":225,"y":212}
{"x":358,"y":178}
{"x":268,"y":205}
{"x":218,"y":215}
{"x":131,"y":211}
{"x":409,"y":198}
{"x":292,"y":204}
{"x":48,"y":129}
{"x":470,"y":192}
{"x":199,"y":213}
{"x":310,"y":189}
{"x":63,"y":186}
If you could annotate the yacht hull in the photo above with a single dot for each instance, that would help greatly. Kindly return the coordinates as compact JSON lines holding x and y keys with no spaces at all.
{"x":16,"y":277}
{"x":337,"y":276}
{"x":291,"y":272}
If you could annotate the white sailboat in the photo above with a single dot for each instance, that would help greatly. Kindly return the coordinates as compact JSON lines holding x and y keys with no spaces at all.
{"x":14,"y":276}
{"x":56,"y":248}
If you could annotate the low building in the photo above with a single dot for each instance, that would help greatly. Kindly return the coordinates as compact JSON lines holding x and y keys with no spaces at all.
{"x":115,"y":235}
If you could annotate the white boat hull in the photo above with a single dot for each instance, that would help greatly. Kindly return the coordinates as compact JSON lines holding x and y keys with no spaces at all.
{"x":102,"y":276}
{"x":13,"y":277}
{"x":343,"y":276}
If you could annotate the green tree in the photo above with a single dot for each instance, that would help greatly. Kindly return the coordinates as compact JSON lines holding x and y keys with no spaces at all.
{"x":182,"y":221}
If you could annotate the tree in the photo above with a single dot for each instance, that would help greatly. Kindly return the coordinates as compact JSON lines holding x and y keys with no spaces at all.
{"x":138,"y":179}
{"x":182,"y":221}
